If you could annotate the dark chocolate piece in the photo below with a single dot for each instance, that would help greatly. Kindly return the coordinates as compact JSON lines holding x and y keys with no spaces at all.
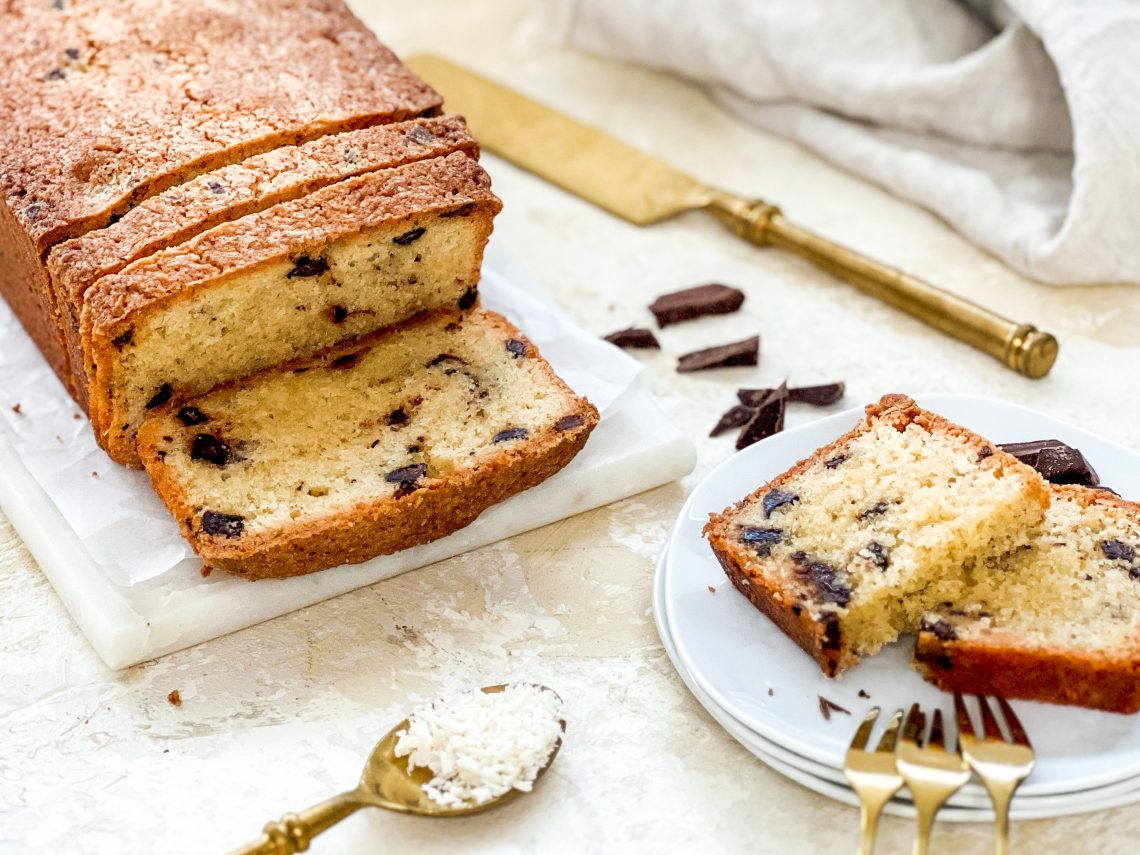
{"x":407,"y":477}
{"x":1116,"y":550}
{"x":339,"y":314}
{"x":762,"y":539}
{"x":223,"y":525}
{"x":753,"y":397}
{"x":304,"y":267}
{"x":777,"y":499}
{"x":445,"y":357}
{"x":746,"y":352}
{"x":516,"y":347}
{"x":875,"y":510}
{"x":190,"y":416}
{"x":634,"y":337}
{"x":468,"y":299}
{"x":712,"y":299}
{"x":818,"y":396}
{"x":567,"y":422}
{"x":1056,"y":461}
{"x":829,"y":584}
{"x":210,"y":449}
{"x":409,"y":236}
{"x":121,"y":341}
{"x":768,"y":420}
{"x":164,"y":394}
{"x":941,"y":629}
{"x":346,"y":361}
{"x":877,"y":554}
{"x":826,"y":708}
{"x":397,"y":417}
{"x":738,"y":416}
{"x":510,"y":433}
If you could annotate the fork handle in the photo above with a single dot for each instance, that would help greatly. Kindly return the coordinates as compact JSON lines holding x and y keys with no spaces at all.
{"x":294,"y":832}
{"x":868,"y":826}
{"x":927,"y":808}
{"x":1001,"y":794}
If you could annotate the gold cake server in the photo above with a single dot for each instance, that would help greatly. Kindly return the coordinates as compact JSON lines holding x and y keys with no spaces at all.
{"x":644,"y":190}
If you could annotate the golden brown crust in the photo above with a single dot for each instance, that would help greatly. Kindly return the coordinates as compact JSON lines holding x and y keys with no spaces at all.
{"x":185,"y":211}
{"x":290,"y":229}
{"x":821,"y":639}
{"x":388,"y":524}
{"x":1054,"y":676}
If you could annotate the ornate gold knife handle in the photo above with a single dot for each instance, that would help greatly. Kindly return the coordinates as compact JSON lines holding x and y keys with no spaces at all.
{"x":1021,"y":347}
{"x":295,"y":832}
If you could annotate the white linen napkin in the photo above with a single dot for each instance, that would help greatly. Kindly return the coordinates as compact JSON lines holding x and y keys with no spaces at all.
{"x":1018,"y":122}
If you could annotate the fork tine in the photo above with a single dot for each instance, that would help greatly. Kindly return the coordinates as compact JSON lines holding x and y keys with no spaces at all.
{"x":965,"y":726}
{"x":863,"y":734}
{"x":937,"y":739}
{"x":890,"y":736}
{"x":1015,"y":729}
{"x":915,"y":724}
{"x":990,"y":727}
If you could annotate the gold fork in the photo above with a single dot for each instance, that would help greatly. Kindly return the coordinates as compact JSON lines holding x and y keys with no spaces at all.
{"x":872,"y":774}
{"x":1000,"y":765}
{"x":932,"y":774}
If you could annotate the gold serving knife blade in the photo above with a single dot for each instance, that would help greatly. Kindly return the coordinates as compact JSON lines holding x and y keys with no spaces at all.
{"x":645,"y":190}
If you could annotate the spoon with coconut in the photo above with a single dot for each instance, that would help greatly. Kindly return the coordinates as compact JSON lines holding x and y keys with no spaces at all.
{"x":458,"y":756}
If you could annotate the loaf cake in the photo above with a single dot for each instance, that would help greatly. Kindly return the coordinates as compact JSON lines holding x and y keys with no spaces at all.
{"x":1057,"y":621}
{"x":281,"y":284}
{"x":186,"y":210}
{"x":107,"y":102}
{"x":370,"y":447}
{"x":850,"y":547}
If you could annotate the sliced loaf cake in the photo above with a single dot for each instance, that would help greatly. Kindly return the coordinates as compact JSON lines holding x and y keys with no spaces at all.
{"x":367,"y":449}
{"x":186,"y":210}
{"x":282,"y":284}
{"x":851,"y":546}
{"x":1057,"y":621}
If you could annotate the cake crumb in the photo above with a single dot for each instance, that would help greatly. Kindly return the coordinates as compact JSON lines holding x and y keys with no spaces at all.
{"x":174,"y":698}
{"x":76,"y":416}
{"x":771,"y":691}
{"x":94,"y":474}
{"x":712,"y":589}
{"x":206,"y":571}
{"x":17,"y":409}
{"x":826,"y":708}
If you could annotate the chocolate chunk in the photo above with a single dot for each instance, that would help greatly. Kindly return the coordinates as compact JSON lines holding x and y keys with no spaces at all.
{"x":422,"y":135}
{"x":339,"y":314}
{"x":696,"y":302}
{"x":941,"y":629}
{"x":164,"y":394}
{"x":875,"y":510}
{"x":984,"y":453}
{"x":468,"y":299}
{"x":777,"y":499}
{"x":510,"y":433}
{"x":223,"y":525}
{"x":71,"y":53}
{"x":216,"y":187}
{"x":1115,"y":550}
{"x":817,"y":396}
{"x":461,"y":211}
{"x":736,"y":417}
{"x":210,"y":449}
{"x":634,"y":337}
{"x":836,"y":462}
{"x":753,"y":397}
{"x":863,"y":694}
{"x":406,"y":477}
{"x":768,"y":420}
{"x":397,"y":417}
{"x":746,"y":352}
{"x":409,"y":237}
{"x":445,"y":357}
{"x":122,"y":340}
{"x":762,"y":539}
{"x":876,"y":553}
{"x":826,"y":708}
{"x":829,"y":584}
{"x":1056,"y":461}
{"x":304,"y":267}
{"x":567,"y":422}
{"x":55,"y":74}
{"x":190,"y":416}
{"x":516,"y":347}
{"x":346,"y":361}
{"x":831,"y":633}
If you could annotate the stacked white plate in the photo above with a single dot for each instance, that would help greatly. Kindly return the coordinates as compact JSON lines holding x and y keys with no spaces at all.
{"x":767,"y":693}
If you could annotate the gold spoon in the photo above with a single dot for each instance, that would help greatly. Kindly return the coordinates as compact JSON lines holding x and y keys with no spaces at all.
{"x":386,"y":783}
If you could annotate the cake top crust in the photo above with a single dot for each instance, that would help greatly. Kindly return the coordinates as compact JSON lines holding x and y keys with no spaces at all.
{"x":108,"y":101}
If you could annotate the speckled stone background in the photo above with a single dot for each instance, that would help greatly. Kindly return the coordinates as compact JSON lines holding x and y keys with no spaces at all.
{"x":282,"y":715}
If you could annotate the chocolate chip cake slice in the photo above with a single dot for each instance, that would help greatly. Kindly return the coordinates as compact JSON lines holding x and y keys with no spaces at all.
{"x":850,"y":547}
{"x":1056,"y":621}
{"x":370,"y":448}
{"x":282,"y":284}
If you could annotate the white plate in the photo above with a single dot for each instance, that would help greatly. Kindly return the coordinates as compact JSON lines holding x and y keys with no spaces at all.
{"x":828,"y":782}
{"x":736,"y":655}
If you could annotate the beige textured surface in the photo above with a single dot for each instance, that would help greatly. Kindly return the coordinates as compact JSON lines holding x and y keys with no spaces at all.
{"x":279,"y":716}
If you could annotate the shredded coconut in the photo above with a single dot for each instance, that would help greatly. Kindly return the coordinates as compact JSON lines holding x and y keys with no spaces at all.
{"x":479,"y":746}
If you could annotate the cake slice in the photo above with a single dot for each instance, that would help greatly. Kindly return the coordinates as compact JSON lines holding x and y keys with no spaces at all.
{"x":850,"y":547}
{"x":186,"y":210}
{"x":370,"y":448}
{"x":1058,"y":621}
{"x":282,"y":284}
